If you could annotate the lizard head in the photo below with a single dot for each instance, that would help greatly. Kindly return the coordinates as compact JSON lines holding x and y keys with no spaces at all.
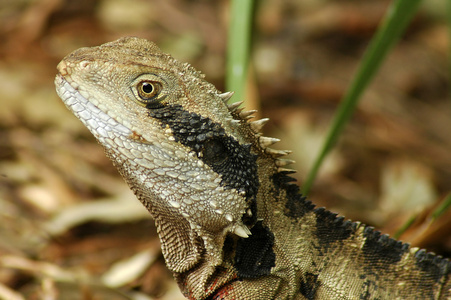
{"x":187,"y":155}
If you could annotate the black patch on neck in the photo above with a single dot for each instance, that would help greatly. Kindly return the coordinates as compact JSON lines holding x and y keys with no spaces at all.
{"x":254,"y":256}
{"x":309,"y":286}
{"x":380,"y":249}
{"x":224,"y":154}
{"x":330,"y":228}
{"x":296,"y":205}
{"x":434,"y":266}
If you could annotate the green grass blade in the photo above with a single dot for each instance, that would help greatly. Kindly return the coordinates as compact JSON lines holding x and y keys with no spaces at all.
{"x":395,"y":21}
{"x":238,"y":47}
{"x":436,"y":214}
{"x":444,"y":207}
{"x":405,"y":226}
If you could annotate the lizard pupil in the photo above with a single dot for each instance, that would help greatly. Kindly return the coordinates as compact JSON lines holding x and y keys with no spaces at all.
{"x":148,"y":90}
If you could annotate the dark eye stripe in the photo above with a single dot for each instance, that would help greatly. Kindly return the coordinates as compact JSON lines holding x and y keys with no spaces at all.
{"x":224,"y":154}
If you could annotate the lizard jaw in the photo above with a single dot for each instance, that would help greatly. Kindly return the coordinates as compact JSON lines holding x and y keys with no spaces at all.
{"x":95,"y":119}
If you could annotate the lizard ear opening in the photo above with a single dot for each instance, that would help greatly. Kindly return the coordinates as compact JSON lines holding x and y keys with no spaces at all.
{"x":214,"y":152}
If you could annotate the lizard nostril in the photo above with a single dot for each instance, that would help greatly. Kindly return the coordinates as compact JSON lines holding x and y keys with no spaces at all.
{"x":62,"y":68}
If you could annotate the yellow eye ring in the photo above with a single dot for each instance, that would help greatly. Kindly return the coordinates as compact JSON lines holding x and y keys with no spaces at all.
{"x":149,"y":93}
{"x":148,"y":90}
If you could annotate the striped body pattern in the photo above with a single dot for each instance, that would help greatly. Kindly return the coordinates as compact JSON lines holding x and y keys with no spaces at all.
{"x":232,"y":223}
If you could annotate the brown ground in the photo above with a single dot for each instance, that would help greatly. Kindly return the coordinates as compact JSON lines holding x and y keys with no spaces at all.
{"x":68,"y":223}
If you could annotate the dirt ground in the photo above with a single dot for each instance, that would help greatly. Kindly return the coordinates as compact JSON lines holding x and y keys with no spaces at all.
{"x":69,"y":226}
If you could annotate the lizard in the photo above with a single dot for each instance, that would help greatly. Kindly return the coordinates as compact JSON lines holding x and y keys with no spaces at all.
{"x":231,"y":220}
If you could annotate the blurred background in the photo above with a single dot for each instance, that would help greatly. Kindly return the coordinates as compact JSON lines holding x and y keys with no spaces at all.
{"x":69,"y":226}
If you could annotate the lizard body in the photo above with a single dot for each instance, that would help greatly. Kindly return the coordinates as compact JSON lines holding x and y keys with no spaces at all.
{"x":232,"y":224}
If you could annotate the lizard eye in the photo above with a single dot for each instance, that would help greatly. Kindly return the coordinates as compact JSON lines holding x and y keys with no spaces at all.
{"x":149,"y":93}
{"x":148,"y":90}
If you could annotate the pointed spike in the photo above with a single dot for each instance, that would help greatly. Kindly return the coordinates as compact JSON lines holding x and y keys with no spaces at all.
{"x":267,"y":141}
{"x":242,"y":231}
{"x":277,"y":153}
{"x":286,"y":171}
{"x":290,"y":171}
{"x":235,"y":121}
{"x":281,"y":162}
{"x":234,"y":106}
{"x":257,"y":126}
{"x":247,"y":114}
{"x":226,"y":96}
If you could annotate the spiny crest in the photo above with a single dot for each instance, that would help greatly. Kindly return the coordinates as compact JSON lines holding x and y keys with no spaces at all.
{"x":234,"y":106}
{"x":257,"y":126}
{"x":267,"y":141}
{"x":247,"y":114}
{"x":226,"y":96}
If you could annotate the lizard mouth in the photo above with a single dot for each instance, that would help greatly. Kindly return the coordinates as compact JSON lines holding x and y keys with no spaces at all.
{"x":99,"y":122}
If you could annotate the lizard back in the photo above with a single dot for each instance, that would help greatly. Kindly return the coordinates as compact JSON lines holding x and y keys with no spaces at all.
{"x":232,"y":223}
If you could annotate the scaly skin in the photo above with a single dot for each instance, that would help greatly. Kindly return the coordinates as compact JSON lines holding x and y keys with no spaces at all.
{"x":231,"y":223}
